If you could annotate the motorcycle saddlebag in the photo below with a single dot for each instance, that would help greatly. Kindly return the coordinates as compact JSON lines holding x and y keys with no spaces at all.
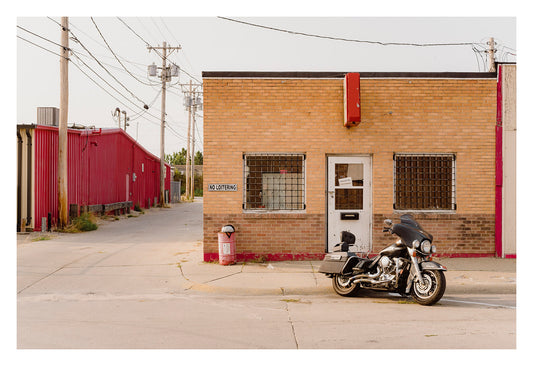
{"x":333,"y":263}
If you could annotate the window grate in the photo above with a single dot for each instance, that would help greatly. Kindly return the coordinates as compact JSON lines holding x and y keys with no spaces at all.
{"x":424,"y":181}
{"x":274,"y":181}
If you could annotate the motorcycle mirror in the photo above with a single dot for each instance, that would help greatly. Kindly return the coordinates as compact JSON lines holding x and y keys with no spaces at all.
{"x":388,"y":222}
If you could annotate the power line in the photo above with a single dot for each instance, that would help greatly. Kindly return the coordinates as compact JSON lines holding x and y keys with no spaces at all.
{"x":35,"y":34}
{"x":46,"y":49}
{"x":103,"y":67}
{"x":149,"y":45}
{"x":134,"y":64}
{"x":347,"y":39}
{"x":145,"y":111}
{"x":80,"y":53}
{"x":146,"y":29}
{"x":159,"y":30}
{"x":94,"y":81}
{"x":139,"y":114}
{"x":104,"y":80}
{"x":109,"y":47}
{"x":141,"y":38}
{"x":73,"y":64}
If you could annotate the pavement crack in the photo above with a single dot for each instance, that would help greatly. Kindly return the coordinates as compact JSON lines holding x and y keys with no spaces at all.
{"x":57,"y":270}
{"x":219,"y":278}
{"x":292,"y":325}
{"x":182,"y":274}
{"x":314,"y":273}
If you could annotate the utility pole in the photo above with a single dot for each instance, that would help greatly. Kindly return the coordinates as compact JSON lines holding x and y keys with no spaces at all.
{"x":491,"y":51}
{"x":187,"y":157}
{"x":165,"y":76}
{"x":192,"y":143}
{"x":191,"y":102}
{"x":62,"y":168}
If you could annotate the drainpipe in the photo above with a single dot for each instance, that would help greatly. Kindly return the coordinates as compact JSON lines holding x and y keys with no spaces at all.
{"x":28,"y":189}
{"x":19,"y":179}
{"x":498,"y":232}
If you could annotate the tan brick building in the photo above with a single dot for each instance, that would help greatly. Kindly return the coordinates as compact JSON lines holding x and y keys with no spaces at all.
{"x":281,"y":167}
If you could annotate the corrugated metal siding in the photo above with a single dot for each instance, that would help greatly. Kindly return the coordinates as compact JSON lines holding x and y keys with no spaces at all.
{"x":46,"y":151}
{"x":101,"y":168}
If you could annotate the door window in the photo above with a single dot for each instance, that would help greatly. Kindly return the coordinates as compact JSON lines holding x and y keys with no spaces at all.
{"x":349,"y":181}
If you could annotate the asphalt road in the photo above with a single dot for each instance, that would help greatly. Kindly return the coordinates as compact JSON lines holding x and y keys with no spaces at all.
{"x":121,"y":287}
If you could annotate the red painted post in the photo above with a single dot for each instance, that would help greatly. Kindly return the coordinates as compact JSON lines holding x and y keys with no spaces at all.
{"x":499,"y":169}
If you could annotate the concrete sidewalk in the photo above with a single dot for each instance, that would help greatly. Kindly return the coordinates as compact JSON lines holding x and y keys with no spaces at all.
{"x":171,"y":238}
{"x":464,"y":276}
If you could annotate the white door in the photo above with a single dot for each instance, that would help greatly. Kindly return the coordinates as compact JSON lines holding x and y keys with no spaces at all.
{"x":350,"y":200}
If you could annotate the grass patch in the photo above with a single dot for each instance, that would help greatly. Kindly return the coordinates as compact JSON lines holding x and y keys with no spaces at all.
{"x":291,"y":300}
{"x":85,"y":222}
{"x":41,"y":238}
{"x":296,"y":301}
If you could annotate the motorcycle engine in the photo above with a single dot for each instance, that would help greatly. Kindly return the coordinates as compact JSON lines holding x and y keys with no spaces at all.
{"x":388,"y":269}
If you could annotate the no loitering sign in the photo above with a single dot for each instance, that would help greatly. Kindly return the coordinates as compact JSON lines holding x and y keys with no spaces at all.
{"x":222,"y":187}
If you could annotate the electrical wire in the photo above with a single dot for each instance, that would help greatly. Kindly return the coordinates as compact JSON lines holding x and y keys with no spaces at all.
{"x":116,"y":57}
{"x":80,"y":53}
{"x":182,"y":51}
{"x":46,"y":39}
{"x":158,"y":29}
{"x":74,"y":65}
{"x":346,"y":39}
{"x":139,"y":114}
{"x":104,"y":80}
{"x":105,"y":90}
{"x":46,"y":49}
{"x":150,"y":46}
{"x":146,"y":29}
{"x":76,"y":39}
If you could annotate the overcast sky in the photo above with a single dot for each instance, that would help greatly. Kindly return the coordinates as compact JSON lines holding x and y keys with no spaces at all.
{"x":215,"y":44}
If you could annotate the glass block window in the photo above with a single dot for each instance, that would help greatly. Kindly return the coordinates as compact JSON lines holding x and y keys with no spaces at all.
{"x":424,"y":182}
{"x":274,"y":182}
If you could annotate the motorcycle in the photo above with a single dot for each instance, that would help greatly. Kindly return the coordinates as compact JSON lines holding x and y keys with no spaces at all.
{"x":405,"y":267}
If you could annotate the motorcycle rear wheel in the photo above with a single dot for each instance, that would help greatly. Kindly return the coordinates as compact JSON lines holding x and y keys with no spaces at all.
{"x":340,"y":285}
{"x":430,"y":289}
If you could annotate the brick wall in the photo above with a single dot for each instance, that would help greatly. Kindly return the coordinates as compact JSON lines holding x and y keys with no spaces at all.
{"x":306,"y":116}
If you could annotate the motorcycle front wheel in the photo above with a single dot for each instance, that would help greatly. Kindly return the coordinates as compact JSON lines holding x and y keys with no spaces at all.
{"x":430,"y":288}
{"x":340,"y":285}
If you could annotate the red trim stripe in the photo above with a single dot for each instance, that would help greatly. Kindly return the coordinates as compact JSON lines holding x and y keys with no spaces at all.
{"x":278,"y":257}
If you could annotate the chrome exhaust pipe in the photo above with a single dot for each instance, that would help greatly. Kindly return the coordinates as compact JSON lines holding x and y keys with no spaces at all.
{"x":365,"y":277}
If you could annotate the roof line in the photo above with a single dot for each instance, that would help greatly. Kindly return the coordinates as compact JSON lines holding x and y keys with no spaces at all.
{"x":340,"y":75}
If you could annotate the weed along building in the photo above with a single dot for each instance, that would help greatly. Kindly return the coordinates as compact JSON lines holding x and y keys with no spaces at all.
{"x":291,"y":159}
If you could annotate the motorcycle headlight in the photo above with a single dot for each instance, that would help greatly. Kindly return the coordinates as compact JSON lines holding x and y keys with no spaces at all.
{"x":416,"y":244}
{"x":433,"y":249}
{"x":426,"y":246}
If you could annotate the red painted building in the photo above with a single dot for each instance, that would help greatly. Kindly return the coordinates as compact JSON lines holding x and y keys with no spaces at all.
{"x":105,"y":166}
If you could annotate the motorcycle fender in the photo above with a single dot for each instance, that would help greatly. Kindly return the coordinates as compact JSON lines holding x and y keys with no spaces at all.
{"x":333,"y":263}
{"x":432,"y":265}
{"x":423,"y":266}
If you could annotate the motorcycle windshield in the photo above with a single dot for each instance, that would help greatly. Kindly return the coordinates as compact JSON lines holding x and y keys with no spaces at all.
{"x":410,"y":220}
{"x":410,"y":230}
